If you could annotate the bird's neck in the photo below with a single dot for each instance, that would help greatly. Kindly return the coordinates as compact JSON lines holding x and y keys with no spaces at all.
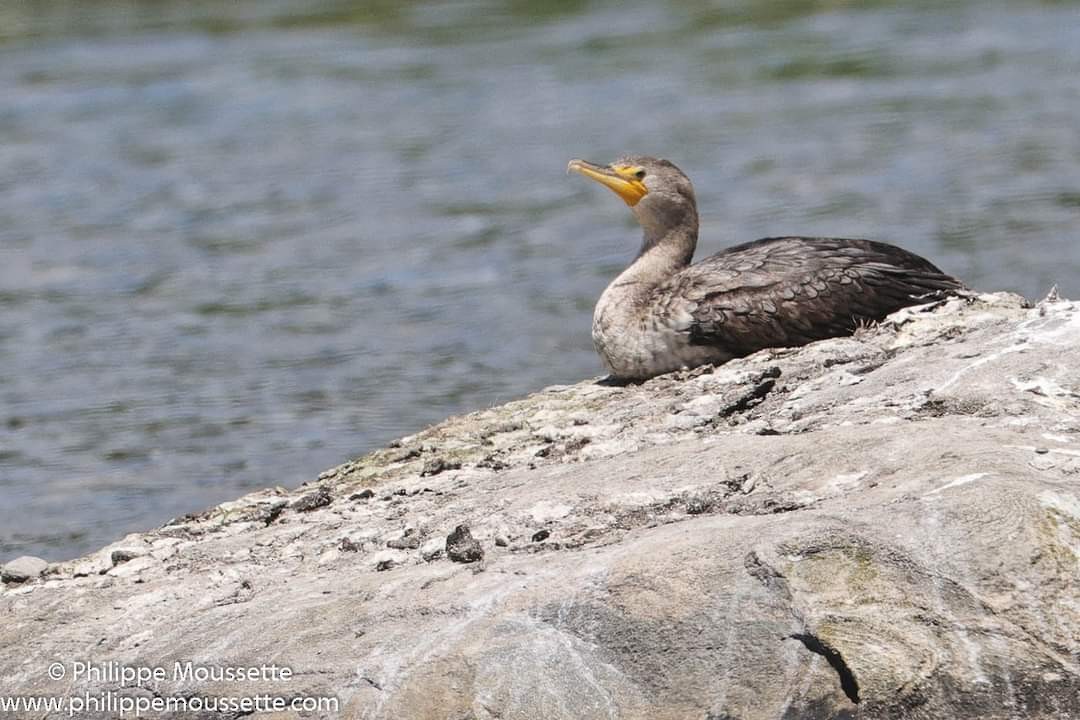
{"x":664,"y":251}
{"x":630,"y":300}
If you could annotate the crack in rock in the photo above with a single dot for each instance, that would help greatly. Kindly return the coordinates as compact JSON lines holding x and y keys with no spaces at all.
{"x":814,"y":644}
{"x":764,"y":384}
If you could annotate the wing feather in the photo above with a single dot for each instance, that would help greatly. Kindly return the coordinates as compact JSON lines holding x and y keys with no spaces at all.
{"x":787,"y":291}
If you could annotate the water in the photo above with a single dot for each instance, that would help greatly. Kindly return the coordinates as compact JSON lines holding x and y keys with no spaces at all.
{"x":242,"y":242}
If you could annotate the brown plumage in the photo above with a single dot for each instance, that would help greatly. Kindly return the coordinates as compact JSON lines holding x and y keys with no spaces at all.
{"x":663,"y":314}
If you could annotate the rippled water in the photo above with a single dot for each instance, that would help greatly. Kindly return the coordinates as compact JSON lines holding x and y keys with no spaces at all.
{"x":243,"y":242}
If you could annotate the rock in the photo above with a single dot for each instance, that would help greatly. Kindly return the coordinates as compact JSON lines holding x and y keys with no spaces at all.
{"x":164,"y":549}
{"x":409,"y":541}
{"x":331,"y":556}
{"x":267,"y":512}
{"x":349,"y":545}
{"x":95,"y":564}
{"x":698,"y":504}
{"x":312,"y":501}
{"x":438,"y":465}
{"x":433,"y":549}
{"x":387,"y":560}
{"x":134,"y":567}
{"x":124,"y":554}
{"x":462,"y":547}
{"x":904,"y":547}
{"x":21,"y":569}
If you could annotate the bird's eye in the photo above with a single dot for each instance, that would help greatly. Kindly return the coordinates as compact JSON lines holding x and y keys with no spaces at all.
{"x":640,"y":174}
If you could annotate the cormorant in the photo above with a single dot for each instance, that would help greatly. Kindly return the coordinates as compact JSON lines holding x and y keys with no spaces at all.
{"x":663,"y":314}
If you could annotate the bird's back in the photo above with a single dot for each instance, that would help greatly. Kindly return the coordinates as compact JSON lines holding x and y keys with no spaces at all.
{"x":789,"y":291}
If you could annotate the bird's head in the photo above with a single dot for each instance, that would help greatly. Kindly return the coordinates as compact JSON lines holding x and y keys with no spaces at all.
{"x":658,"y":193}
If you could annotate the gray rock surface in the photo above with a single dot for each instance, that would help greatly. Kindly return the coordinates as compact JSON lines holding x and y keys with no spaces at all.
{"x":884,"y":526}
{"x":21,"y":569}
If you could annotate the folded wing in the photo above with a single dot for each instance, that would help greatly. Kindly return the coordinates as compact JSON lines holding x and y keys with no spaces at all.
{"x":789,"y":291}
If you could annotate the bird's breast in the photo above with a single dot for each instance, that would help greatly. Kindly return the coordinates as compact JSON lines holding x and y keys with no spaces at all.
{"x":646,"y":335}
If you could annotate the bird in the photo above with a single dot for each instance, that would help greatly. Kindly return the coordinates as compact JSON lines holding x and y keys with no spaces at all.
{"x":663,"y":314}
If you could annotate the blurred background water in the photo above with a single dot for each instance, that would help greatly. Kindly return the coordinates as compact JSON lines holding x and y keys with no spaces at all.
{"x":242,"y":242}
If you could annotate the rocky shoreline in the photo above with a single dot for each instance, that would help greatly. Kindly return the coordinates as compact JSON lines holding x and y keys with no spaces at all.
{"x":883,"y":526}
